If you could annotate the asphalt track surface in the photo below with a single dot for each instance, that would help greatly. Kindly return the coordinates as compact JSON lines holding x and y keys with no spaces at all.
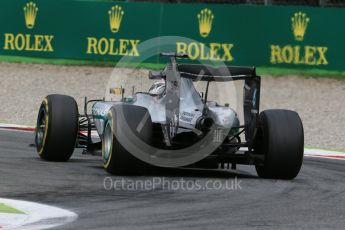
{"x":314,"y":200}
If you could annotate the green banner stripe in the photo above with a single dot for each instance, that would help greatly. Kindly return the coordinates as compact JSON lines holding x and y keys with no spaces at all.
{"x":270,"y":36}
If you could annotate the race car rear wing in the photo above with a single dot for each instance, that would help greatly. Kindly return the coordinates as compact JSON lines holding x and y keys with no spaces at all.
{"x":210,"y":73}
{"x":251,"y":88}
{"x":173,"y":73}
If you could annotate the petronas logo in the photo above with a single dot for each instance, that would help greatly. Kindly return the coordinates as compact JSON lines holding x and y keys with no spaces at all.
{"x":115,"y":17}
{"x":299,"y":25}
{"x":205,"y":18}
{"x":30,"y":13}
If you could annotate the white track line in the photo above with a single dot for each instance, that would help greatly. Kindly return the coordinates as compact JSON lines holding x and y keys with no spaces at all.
{"x":321,"y":153}
{"x":17,"y":127}
{"x":35,"y":216}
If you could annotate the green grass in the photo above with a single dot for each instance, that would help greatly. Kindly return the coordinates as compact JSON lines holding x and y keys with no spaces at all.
{"x":275,"y":71}
{"x":53,"y":61}
{"x":8,"y":209}
{"x":71,"y":62}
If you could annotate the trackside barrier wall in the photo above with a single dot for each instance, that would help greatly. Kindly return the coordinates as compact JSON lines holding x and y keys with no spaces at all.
{"x":287,"y":36}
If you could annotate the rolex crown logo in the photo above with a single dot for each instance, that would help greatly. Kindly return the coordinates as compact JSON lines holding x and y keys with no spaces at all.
{"x":115,"y":17}
{"x":205,"y":18}
{"x":30,"y":13}
{"x":299,"y":25}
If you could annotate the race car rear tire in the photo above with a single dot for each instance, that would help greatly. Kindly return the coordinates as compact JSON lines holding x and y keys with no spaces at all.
{"x":123,"y":119}
{"x":281,"y":140}
{"x":57,"y":128}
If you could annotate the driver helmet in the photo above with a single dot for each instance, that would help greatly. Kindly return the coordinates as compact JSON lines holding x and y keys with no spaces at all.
{"x":157,"y":88}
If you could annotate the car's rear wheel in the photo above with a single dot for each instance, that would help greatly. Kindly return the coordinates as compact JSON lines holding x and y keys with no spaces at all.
{"x":56,"y":128}
{"x":281,"y":140}
{"x":123,"y":119}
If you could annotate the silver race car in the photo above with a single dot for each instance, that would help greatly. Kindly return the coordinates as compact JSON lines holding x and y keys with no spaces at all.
{"x":175,"y":125}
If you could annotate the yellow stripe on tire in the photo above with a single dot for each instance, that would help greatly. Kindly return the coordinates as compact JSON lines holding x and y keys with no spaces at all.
{"x":45,"y":103}
{"x":106,"y":164}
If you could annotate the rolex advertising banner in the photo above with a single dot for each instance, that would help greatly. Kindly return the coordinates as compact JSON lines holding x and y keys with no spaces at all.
{"x":296,"y":37}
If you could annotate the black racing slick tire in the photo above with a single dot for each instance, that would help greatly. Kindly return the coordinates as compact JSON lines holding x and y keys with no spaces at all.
{"x":281,"y":140}
{"x":57,"y":128}
{"x":123,"y":121}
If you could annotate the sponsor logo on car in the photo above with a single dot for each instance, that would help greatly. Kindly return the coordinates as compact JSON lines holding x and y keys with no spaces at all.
{"x":187,"y":117}
{"x":100,"y":110}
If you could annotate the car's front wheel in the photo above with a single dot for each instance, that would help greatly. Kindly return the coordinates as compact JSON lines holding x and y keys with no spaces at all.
{"x":122,"y":120}
{"x":56,"y":128}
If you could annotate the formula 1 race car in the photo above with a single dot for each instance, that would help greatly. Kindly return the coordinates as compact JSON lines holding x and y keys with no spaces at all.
{"x":175,"y":125}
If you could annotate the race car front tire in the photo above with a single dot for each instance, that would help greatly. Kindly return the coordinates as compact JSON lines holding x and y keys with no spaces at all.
{"x":123,"y":121}
{"x":281,"y":140}
{"x":57,"y":128}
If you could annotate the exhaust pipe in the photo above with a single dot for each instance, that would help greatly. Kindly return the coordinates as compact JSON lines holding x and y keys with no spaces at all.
{"x":204,"y":123}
